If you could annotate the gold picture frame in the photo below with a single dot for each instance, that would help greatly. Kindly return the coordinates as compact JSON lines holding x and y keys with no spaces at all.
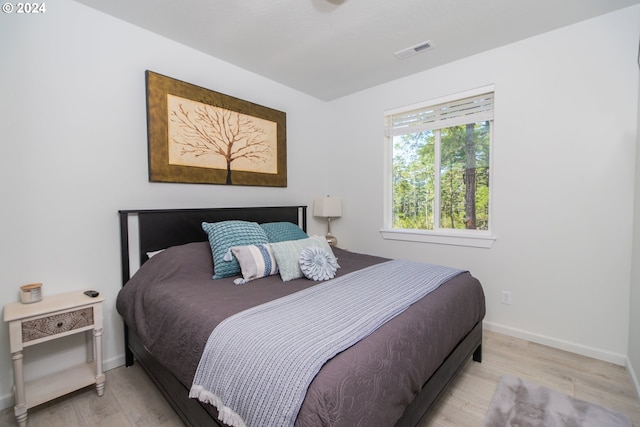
{"x":197,"y":135}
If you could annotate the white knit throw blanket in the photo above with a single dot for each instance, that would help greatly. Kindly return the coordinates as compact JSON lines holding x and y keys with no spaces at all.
{"x":257,"y":364}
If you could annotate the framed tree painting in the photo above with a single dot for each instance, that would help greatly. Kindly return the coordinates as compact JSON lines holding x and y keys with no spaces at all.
{"x":197,"y":135}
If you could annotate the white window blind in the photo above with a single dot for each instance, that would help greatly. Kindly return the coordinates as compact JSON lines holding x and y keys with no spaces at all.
{"x":472,"y":109}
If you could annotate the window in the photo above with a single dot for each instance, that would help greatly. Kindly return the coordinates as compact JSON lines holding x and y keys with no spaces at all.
{"x":438,"y":173}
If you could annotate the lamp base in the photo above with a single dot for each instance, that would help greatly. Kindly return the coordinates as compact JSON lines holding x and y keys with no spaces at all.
{"x":331,"y":240}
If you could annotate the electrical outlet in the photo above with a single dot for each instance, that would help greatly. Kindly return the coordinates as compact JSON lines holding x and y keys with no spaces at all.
{"x":506,"y":297}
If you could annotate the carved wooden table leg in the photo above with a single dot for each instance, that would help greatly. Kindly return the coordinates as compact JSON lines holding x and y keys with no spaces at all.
{"x":20,"y":408}
{"x":97,"y":334}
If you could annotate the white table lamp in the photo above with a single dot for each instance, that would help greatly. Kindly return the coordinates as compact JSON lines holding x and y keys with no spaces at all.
{"x":328,"y":207}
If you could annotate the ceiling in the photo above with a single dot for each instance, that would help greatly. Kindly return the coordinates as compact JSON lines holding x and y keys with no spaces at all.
{"x":332,"y":48}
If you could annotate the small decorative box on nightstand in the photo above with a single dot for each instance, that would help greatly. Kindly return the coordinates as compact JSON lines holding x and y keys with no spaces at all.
{"x":54,"y":317}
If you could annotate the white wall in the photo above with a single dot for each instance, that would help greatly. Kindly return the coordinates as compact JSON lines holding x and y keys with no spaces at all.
{"x":564,"y":154}
{"x":73,"y":129}
{"x":73,"y":132}
{"x":634,"y":300}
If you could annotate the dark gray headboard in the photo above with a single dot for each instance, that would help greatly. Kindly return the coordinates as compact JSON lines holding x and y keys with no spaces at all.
{"x":163,"y":228}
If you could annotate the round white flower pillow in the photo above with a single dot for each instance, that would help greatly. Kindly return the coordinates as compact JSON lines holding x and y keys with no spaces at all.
{"x":317,"y":264}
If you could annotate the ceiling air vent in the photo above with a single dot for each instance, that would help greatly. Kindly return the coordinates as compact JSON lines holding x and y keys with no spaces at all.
{"x":410,"y":51}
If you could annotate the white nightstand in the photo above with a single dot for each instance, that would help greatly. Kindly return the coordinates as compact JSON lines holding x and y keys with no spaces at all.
{"x":54,"y":317}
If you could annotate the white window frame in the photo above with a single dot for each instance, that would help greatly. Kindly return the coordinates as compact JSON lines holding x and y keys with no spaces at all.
{"x":471,"y":238}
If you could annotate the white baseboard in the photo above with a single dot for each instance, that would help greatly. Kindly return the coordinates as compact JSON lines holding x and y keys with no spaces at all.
{"x":634,"y":377}
{"x":6,"y":401}
{"x":595,"y":353}
{"x":113,"y":362}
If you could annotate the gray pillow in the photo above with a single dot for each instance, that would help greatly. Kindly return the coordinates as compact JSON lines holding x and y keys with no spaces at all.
{"x":287,"y":255}
{"x":317,"y":264}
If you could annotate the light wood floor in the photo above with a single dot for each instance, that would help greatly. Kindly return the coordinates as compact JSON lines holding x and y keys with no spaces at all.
{"x":131,"y":400}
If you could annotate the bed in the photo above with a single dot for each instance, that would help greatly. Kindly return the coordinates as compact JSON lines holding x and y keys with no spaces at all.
{"x":390,"y":377}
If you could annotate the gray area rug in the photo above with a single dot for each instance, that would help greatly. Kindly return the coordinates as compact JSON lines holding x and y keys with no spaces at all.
{"x":525,"y":404}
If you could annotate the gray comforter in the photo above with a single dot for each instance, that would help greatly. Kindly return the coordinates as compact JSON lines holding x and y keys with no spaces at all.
{"x":173,"y":305}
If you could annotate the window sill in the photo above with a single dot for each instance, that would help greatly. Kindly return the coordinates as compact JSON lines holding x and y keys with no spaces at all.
{"x":441,"y":238}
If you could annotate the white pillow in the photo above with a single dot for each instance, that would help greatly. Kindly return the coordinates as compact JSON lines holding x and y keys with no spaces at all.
{"x":255,"y":261}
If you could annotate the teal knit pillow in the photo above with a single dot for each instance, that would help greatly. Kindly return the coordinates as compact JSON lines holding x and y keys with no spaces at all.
{"x":225,"y":234}
{"x":283,"y":231}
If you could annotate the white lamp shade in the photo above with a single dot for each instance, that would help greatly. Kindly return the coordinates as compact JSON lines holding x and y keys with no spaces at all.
{"x":327,"y":207}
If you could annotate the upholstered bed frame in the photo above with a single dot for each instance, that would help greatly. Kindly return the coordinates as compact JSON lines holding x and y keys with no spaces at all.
{"x":161,"y":228}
